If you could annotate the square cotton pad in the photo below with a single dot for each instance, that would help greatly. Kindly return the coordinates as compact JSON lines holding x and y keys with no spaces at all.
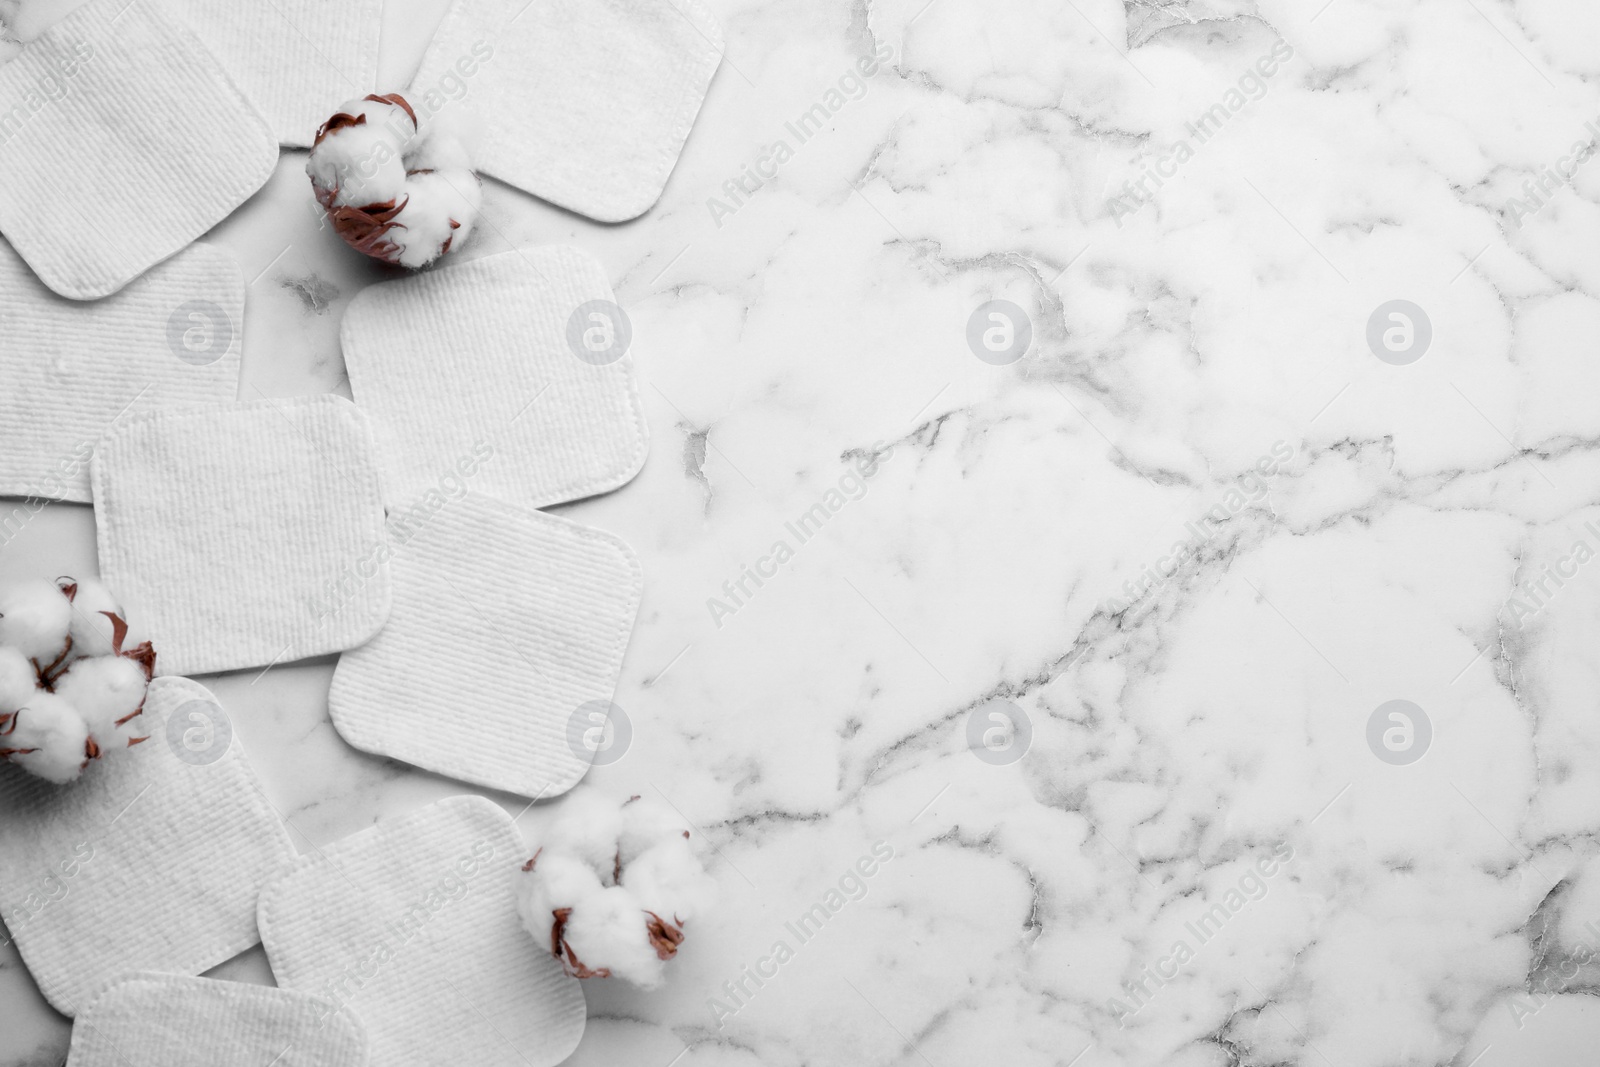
{"x":412,"y":926}
{"x":70,"y":370}
{"x":506,"y":623}
{"x":171,"y":1020}
{"x":244,"y":535}
{"x":121,"y":141}
{"x":525,"y":352}
{"x":297,"y":60}
{"x":152,"y":860}
{"x":586,"y":103}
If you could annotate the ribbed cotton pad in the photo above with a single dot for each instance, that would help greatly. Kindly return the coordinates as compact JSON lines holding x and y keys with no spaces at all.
{"x":121,"y":141}
{"x":479,"y":352}
{"x":297,"y":60}
{"x":244,"y":535}
{"x":412,"y":926}
{"x":586,"y":103}
{"x":168,"y":1020}
{"x":148,"y":861}
{"x":506,"y":622}
{"x":70,"y":370}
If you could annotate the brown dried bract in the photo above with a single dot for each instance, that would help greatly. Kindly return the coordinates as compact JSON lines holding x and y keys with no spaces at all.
{"x":664,"y":936}
{"x":8,"y":726}
{"x":339,"y":121}
{"x":366,"y":228}
{"x":48,"y":674}
{"x":398,"y":101}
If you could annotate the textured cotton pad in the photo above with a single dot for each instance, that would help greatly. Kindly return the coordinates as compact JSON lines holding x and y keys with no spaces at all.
{"x":548,"y":603}
{"x":586,"y":103}
{"x":297,"y":60}
{"x":121,"y":141}
{"x":412,"y":927}
{"x":146,"y":1020}
{"x":150,"y":861}
{"x":479,"y":352}
{"x":244,"y":535}
{"x":70,"y":370}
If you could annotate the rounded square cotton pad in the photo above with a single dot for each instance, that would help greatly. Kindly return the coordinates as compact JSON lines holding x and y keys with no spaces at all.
{"x":488,"y":351}
{"x":244,"y":535}
{"x":71,"y":370}
{"x":121,"y":141}
{"x":586,"y":103}
{"x":150,"y":861}
{"x":168,"y":1020}
{"x":506,"y":623}
{"x":412,"y":927}
{"x":295,"y":59}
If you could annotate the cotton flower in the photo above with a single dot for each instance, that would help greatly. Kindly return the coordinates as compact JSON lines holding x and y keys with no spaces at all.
{"x":611,"y":888}
{"x":72,"y":687}
{"x":393,"y":190}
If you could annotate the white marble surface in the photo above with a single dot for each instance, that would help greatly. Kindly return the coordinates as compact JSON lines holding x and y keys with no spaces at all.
{"x":1430,"y":910}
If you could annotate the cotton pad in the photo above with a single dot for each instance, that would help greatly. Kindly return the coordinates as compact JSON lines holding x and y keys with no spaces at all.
{"x":496,"y":351}
{"x":294,"y":59}
{"x":412,"y":927}
{"x":71,"y":370}
{"x":506,"y":622}
{"x":176,"y":1021}
{"x":150,"y":861}
{"x":244,"y":535}
{"x":586,"y":103}
{"x":121,"y":141}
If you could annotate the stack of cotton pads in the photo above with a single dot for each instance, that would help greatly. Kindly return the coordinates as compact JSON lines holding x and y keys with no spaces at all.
{"x":402,"y":530}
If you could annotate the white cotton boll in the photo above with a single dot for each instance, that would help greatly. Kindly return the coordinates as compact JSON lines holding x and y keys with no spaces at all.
{"x":18,"y":682}
{"x":669,"y":881}
{"x":587,"y":825}
{"x":364,"y":164}
{"x":35,"y":618}
{"x":105,"y":689}
{"x":359,"y":167}
{"x":393,"y":191}
{"x":92,"y":632}
{"x":55,"y":733}
{"x":606,"y":931}
{"x":440,"y":210}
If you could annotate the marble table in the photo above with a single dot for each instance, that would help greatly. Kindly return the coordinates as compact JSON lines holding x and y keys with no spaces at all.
{"x":1225,"y":372}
